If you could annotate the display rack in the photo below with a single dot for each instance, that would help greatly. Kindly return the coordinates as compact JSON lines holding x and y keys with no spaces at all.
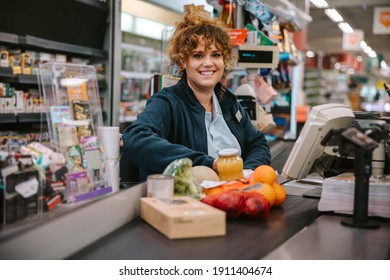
{"x":74,"y":115}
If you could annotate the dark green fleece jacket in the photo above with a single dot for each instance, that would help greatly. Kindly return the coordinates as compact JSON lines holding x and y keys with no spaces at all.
{"x":172,"y":126}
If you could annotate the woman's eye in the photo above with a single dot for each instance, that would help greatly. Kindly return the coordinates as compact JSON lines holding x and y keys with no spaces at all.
{"x":217,"y":55}
{"x":197,"y":55}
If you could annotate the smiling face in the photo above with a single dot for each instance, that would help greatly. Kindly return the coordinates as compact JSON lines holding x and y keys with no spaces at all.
{"x":204,"y":68}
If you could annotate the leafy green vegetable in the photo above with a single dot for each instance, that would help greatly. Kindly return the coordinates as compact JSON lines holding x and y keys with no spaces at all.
{"x":181,"y":171}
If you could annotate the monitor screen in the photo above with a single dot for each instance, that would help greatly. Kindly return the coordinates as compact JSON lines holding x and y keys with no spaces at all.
{"x":253,"y":56}
{"x":307,"y":148}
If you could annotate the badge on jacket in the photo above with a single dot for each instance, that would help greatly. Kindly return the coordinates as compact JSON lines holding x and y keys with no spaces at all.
{"x":238,"y":116}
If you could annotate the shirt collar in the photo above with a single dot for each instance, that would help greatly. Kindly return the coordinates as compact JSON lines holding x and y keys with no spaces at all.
{"x":217,"y":111}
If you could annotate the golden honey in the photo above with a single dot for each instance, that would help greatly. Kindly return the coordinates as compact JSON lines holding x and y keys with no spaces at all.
{"x":230,"y":165}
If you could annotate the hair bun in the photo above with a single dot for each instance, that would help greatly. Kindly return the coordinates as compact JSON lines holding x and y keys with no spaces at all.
{"x":197,"y":18}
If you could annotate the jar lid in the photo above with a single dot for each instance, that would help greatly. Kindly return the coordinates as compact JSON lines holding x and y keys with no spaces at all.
{"x":228,"y":152}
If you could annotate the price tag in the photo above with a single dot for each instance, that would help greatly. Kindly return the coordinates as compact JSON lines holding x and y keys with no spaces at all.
{"x":27,"y":188}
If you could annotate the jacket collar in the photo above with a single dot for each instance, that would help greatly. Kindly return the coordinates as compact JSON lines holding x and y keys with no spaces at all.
{"x":225,"y":97}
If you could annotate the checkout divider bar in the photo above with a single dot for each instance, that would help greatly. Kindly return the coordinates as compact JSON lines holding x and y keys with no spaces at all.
{"x":71,"y":231}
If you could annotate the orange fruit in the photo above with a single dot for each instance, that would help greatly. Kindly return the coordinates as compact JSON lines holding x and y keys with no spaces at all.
{"x":231,"y":185}
{"x":280,"y":194}
{"x":264,"y":174}
{"x":215,"y":190}
{"x":269,"y":193}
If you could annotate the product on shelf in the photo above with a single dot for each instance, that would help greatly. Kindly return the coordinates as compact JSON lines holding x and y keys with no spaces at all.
{"x":4,"y":60}
{"x":19,"y":187}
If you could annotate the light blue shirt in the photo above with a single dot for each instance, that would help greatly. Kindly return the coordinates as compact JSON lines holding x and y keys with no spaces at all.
{"x":219,"y":135}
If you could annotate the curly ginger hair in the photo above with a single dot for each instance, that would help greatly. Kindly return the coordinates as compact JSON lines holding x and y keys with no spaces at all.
{"x":191,"y":30}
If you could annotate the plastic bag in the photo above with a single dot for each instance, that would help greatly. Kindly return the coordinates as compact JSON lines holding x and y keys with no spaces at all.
{"x":181,"y":172}
{"x":246,"y":204}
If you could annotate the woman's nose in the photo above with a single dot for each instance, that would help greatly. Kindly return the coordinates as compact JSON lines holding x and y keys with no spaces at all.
{"x":207,"y":60}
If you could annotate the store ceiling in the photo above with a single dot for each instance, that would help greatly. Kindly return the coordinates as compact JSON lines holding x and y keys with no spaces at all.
{"x":323,"y":34}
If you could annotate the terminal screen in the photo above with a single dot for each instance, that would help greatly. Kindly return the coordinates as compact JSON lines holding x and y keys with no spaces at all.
{"x":248,"y":56}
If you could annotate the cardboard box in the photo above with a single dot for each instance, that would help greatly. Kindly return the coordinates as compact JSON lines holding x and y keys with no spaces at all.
{"x":183,"y":217}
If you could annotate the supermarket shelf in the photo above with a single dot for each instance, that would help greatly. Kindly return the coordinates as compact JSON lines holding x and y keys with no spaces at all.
{"x":143,"y":49}
{"x":9,"y":38}
{"x":36,"y":43}
{"x":32,"y":41}
{"x":12,"y":118}
{"x":136,"y":75}
{"x":8,"y":118}
{"x":32,"y":117}
{"x":7,"y":76}
{"x":27,"y":79}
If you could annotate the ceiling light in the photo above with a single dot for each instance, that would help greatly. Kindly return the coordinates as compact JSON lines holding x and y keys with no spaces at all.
{"x":345,"y":27}
{"x":320,"y":3}
{"x":333,"y":15}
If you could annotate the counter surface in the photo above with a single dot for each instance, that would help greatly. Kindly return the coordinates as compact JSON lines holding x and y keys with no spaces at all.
{"x":328,"y":239}
{"x":296,"y":230}
{"x":244,"y":239}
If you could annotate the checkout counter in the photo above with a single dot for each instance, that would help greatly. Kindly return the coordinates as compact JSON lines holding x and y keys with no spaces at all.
{"x":296,"y":230}
{"x":110,"y":228}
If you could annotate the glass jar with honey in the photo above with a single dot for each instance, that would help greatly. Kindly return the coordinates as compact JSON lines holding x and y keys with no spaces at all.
{"x":230,"y":165}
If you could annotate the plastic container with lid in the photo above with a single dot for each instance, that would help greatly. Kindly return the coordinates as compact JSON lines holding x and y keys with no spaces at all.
{"x":230,"y":165}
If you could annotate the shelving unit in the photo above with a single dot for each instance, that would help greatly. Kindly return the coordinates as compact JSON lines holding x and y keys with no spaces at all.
{"x":313,"y":86}
{"x":39,"y":43}
{"x":336,"y":86}
{"x":19,"y":118}
{"x":138,"y":64}
{"x":287,"y":78}
{"x":72,"y":32}
{"x":81,"y":29}
{"x":6,"y":75}
{"x":23,"y":122}
{"x":36,"y":121}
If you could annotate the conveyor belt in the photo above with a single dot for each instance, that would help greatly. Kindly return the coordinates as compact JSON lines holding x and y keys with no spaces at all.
{"x":245,"y":239}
